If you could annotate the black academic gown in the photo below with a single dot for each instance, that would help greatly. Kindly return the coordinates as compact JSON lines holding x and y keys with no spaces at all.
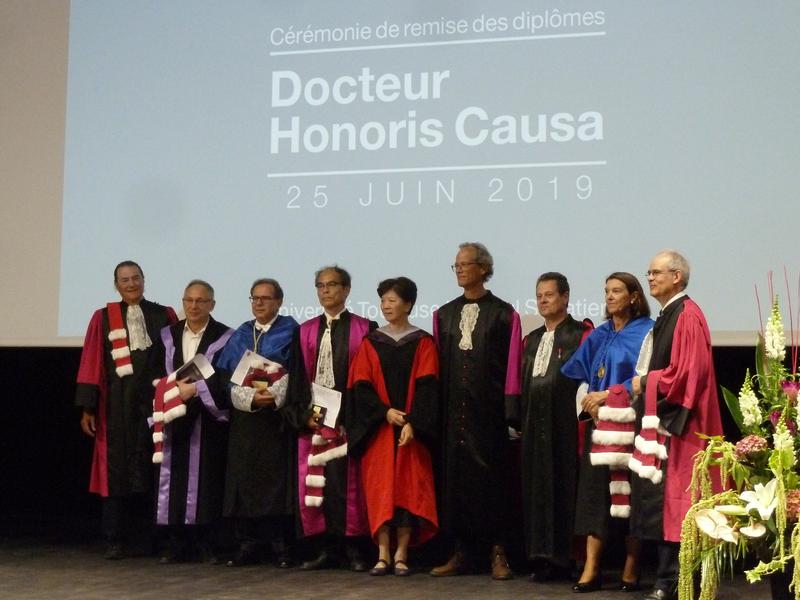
{"x":549,"y":427}
{"x":475,"y":462}
{"x":182,"y":484}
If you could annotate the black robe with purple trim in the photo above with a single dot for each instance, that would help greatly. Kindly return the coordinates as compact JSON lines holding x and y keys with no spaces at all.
{"x":190,"y":479}
{"x":343,"y":511}
{"x":123,"y":447}
{"x":477,"y":388}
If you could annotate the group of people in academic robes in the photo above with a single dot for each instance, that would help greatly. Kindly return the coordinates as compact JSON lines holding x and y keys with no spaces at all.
{"x":427,"y":430}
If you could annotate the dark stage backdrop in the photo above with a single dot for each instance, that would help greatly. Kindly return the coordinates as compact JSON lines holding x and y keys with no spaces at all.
{"x":45,"y":458}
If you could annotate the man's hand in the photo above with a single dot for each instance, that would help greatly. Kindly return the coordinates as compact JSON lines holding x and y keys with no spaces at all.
{"x":87,"y":422}
{"x":187,"y":390}
{"x":592,"y":402}
{"x":396,"y":417}
{"x":636,"y":385}
{"x":262,"y":399}
{"x":406,"y":435}
{"x":314,"y":421}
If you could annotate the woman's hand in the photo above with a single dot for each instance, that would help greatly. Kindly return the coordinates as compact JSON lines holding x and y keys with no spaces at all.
{"x":592,"y":402}
{"x":406,"y":435}
{"x":396,"y":417}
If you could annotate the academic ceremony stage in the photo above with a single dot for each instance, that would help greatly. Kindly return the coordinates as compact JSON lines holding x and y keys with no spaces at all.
{"x":36,"y":569}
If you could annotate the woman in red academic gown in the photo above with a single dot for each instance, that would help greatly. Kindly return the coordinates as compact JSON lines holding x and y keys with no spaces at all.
{"x":391,"y":420}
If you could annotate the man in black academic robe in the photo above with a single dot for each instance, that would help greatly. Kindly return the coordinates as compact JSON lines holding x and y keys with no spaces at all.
{"x":549,"y":426}
{"x":257,"y":490}
{"x":190,"y":476}
{"x":478,"y":337}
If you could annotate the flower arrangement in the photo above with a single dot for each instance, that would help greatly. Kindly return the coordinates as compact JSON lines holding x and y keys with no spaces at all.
{"x":758,"y":513}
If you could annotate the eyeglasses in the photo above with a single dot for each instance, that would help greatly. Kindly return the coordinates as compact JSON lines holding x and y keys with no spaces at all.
{"x":462,"y":265}
{"x":657,"y":272}
{"x":199,"y":301}
{"x":261,"y":299}
{"x":328,"y":284}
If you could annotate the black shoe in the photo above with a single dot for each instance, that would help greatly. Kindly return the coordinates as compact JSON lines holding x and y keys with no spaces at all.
{"x":659,"y":594}
{"x":380,"y":569}
{"x":629,"y":586}
{"x":590,"y":586}
{"x":322,"y":561}
{"x":358,"y":564}
{"x":284,"y":562}
{"x":243,"y":558}
{"x":114,"y":551}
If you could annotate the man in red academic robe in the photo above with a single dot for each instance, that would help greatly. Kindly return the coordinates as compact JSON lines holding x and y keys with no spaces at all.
{"x":115,"y":393}
{"x":681,"y":385}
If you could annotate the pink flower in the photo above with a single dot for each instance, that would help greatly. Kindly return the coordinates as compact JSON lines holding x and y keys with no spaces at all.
{"x":750,"y":445}
{"x":792,"y":504}
{"x":790,"y":388}
{"x":775,"y":416}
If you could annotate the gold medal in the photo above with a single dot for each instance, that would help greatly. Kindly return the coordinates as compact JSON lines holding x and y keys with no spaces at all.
{"x":601,"y":372}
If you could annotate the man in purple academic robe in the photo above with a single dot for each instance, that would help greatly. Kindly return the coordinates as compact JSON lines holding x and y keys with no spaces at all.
{"x":330,"y":504}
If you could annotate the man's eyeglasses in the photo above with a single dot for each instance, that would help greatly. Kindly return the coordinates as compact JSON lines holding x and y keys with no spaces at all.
{"x":200,"y":301}
{"x":462,"y":265}
{"x":260,"y":299}
{"x":657,"y":272}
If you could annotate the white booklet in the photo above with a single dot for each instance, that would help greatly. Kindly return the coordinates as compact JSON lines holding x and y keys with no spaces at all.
{"x":256,"y":371}
{"x":196,"y":369}
{"x":328,"y":399}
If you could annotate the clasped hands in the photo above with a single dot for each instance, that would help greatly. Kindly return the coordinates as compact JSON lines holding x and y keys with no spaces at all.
{"x":398,"y":419}
{"x":592,"y":402}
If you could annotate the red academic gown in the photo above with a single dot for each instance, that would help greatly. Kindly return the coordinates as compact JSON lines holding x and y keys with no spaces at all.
{"x":686,"y":390}
{"x":121,"y":462}
{"x":393,"y":476}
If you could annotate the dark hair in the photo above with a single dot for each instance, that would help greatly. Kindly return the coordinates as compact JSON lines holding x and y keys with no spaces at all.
{"x":202,"y":283}
{"x":268,"y":281}
{"x":561,"y":281}
{"x":338,"y":270}
{"x":402,"y":286}
{"x":482,"y":256}
{"x":640,"y":308}
{"x":127,"y":263}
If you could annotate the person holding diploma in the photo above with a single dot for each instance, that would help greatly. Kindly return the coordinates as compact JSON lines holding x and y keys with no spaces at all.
{"x":257,"y":494}
{"x":331,"y":513}
{"x":191,"y":461}
{"x":392,"y":419}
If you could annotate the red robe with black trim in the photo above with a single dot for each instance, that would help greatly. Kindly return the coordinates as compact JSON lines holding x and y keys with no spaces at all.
{"x":686,"y":390}
{"x":121,"y":461}
{"x":394,"y":476}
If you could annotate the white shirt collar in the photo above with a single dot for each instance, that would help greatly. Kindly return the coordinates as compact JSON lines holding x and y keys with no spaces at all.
{"x":680,"y":294}
{"x":266,"y":326}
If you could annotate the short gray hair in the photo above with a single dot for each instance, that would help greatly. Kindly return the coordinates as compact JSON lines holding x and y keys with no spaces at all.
{"x":677,"y":262}
{"x":482,"y":256}
{"x":203,"y":283}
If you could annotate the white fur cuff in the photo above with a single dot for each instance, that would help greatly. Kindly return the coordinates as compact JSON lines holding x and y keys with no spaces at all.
{"x":612,"y":438}
{"x":617,"y":415}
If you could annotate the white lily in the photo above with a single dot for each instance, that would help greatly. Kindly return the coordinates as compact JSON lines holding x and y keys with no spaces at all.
{"x":715,"y":525}
{"x":754,"y":531}
{"x":762,"y":498}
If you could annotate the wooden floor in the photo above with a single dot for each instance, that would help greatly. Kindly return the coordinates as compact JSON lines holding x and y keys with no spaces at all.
{"x":31,"y":569}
